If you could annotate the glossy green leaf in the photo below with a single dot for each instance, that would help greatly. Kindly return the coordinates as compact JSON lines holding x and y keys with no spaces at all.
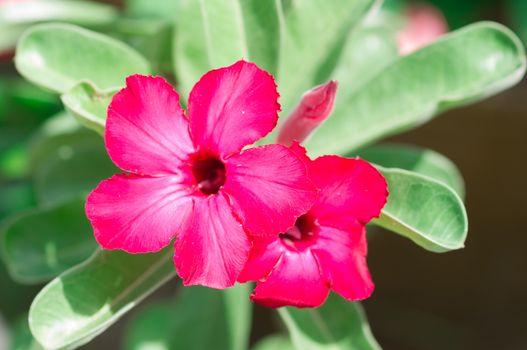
{"x":419,"y":160}
{"x":274,"y":342}
{"x":59,"y":56}
{"x":238,"y":312}
{"x":42,"y":243}
{"x":70,"y":167}
{"x":462,"y":67}
{"x":313,"y":36}
{"x":74,"y":171}
{"x":216,"y":33}
{"x":336,"y":325}
{"x":55,"y":132}
{"x":368,"y":50}
{"x":152,"y":38}
{"x":424,"y":210}
{"x":18,"y":16}
{"x":154,"y":327}
{"x":224,"y":319}
{"x":88,"y":105}
{"x":87,"y":299}
{"x":34,"y":99}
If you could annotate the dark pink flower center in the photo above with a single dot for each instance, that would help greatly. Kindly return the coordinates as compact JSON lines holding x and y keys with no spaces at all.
{"x":302,"y":234}
{"x":209,"y":173}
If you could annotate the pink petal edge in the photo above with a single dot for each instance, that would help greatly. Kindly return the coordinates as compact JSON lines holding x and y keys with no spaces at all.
{"x":213,"y":247}
{"x":146,"y":129}
{"x":350,"y":190}
{"x":265,"y":253}
{"x":269,"y":188}
{"x":137,"y":214}
{"x":232,"y":107}
{"x":342,"y":259}
{"x":295,"y":281}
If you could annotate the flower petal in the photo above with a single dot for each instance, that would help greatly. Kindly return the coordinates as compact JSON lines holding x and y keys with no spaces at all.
{"x":269,"y":188}
{"x":295,"y":281}
{"x":146,"y":129}
{"x":350,"y":190}
{"x":264,"y":255}
{"x":213,"y":248}
{"x":232,"y":107}
{"x":342,"y":259}
{"x":138,"y":214}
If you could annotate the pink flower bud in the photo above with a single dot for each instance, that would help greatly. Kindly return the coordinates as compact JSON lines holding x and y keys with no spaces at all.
{"x":314,"y":107}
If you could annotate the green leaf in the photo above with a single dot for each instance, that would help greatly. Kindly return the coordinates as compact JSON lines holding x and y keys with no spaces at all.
{"x":9,"y":35}
{"x":70,"y":166}
{"x":61,"y":129}
{"x":274,"y":342}
{"x":419,"y":160}
{"x":59,"y":56}
{"x":336,"y":325}
{"x":88,"y":105}
{"x":224,"y":317}
{"x":42,"y":243}
{"x":21,"y":337}
{"x":150,"y":37}
{"x":216,"y":33}
{"x":14,"y":162}
{"x":5,"y":334}
{"x":34,"y":99}
{"x":77,"y":11}
{"x":163,"y":9}
{"x":17,"y":16}
{"x":15,"y":197}
{"x":313,"y":36}
{"x":368,"y":50}
{"x":238,"y":311}
{"x":424,"y":210}
{"x":86,"y":300}
{"x":462,"y":67}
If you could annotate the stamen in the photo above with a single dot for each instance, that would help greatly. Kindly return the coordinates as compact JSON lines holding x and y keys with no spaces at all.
{"x":209,"y":173}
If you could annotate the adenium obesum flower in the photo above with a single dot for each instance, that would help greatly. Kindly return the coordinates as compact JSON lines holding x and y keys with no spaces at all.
{"x":326,"y":248}
{"x":190,"y":177}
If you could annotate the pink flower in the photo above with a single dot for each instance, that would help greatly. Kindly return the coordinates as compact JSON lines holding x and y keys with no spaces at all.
{"x":326,"y":248}
{"x":189,"y":176}
{"x":314,"y":107}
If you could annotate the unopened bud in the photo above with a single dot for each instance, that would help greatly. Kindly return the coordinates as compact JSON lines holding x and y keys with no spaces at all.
{"x":314,"y":107}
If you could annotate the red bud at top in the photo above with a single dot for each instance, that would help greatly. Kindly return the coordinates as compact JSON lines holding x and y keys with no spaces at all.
{"x":314,"y":107}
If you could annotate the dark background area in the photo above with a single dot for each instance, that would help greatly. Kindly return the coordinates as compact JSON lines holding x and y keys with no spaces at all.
{"x":473,"y":298}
